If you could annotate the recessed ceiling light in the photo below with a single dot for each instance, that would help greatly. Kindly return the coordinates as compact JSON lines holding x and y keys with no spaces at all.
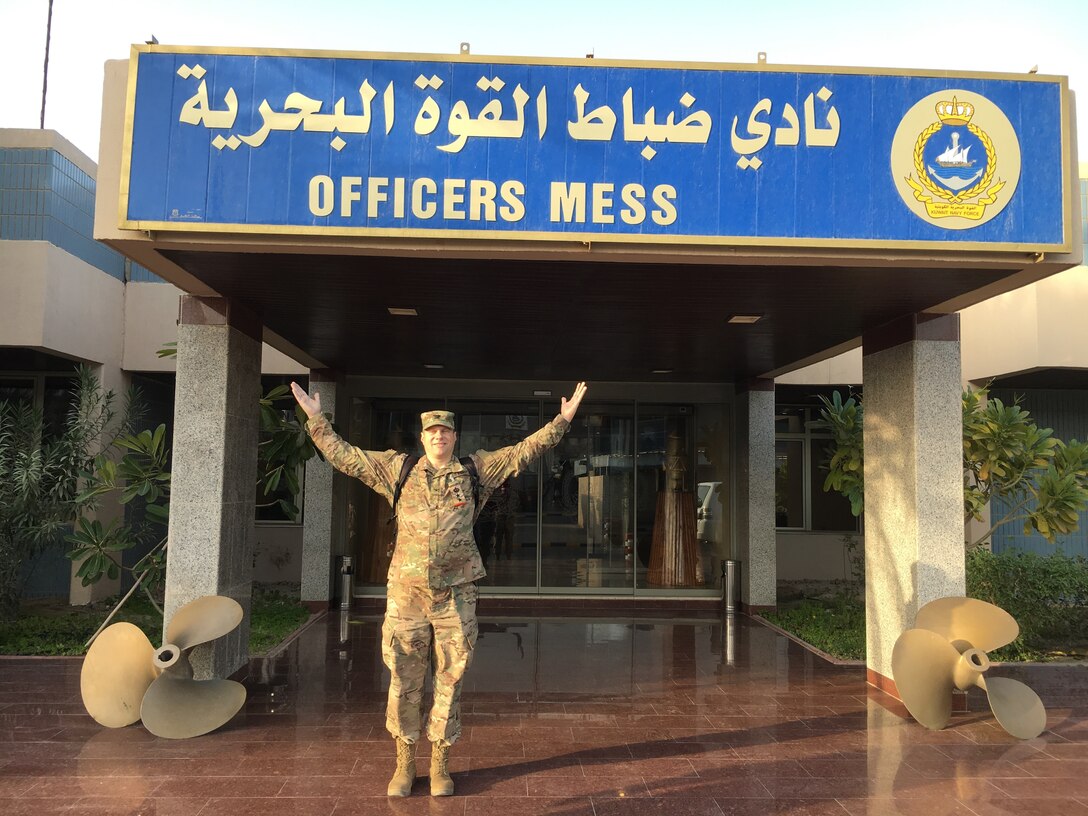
{"x":745,"y":318}
{"x":393,"y":310}
{"x":433,"y":365}
{"x":662,"y":371}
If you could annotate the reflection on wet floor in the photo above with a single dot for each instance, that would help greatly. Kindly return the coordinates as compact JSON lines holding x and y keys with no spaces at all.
{"x":569,"y":716}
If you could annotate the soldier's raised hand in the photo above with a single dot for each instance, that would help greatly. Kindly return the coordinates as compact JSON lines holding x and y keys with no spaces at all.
{"x":311,"y":405}
{"x":569,"y":407}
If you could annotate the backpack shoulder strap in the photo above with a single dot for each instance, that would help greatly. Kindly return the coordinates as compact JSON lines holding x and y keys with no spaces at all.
{"x":470,"y":465}
{"x":405,"y":469}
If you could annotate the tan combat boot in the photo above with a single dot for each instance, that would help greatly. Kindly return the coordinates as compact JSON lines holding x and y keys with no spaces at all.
{"x":401,"y":783}
{"x":441,"y":784}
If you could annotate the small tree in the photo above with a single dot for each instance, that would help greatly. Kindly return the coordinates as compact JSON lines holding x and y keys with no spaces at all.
{"x":283,"y":449}
{"x":1006,"y":455}
{"x":40,"y":475}
{"x":139,"y":477}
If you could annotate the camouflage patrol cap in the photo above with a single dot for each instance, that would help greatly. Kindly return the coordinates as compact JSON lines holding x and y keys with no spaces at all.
{"x":429,"y":418}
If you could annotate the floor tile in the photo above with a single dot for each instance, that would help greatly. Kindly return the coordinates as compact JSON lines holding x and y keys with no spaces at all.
{"x":647,"y":721}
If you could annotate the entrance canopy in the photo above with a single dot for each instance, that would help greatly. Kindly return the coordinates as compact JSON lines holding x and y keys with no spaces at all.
{"x":562,"y":219}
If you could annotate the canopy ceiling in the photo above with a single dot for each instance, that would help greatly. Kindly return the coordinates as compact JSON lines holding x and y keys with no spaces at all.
{"x":535,"y":319}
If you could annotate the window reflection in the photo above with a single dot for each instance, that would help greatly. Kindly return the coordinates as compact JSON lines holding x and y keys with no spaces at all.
{"x":505,"y":531}
{"x":631,"y":498}
{"x":669,"y":547}
{"x":588,"y":539}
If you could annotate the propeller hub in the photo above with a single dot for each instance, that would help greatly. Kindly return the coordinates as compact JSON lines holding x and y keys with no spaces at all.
{"x":969,"y":669}
{"x":166,"y":656}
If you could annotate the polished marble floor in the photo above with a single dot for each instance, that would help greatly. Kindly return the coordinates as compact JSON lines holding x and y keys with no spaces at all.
{"x":572,"y":716}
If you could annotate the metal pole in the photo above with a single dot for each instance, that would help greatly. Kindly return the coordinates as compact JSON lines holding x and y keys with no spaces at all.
{"x":346,"y":572}
{"x":45,"y":69}
{"x":730,"y":585}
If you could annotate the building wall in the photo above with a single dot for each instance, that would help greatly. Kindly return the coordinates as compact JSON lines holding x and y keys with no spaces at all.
{"x":1066,"y":411}
{"x":57,"y":302}
{"x":70,"y":296}
{"x":814,"y":556}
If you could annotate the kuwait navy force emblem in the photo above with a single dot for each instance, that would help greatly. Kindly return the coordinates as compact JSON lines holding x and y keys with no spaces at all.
{"x":955,"y":159}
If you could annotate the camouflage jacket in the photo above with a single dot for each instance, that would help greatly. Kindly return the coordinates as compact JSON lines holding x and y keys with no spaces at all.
{"x":435,"y":547}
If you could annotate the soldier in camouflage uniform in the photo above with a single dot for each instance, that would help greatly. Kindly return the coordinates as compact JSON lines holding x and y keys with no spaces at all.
{"x":433,"y":573}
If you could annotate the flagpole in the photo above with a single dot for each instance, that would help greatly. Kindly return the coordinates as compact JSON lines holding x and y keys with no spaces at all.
{"x":45,"y":69}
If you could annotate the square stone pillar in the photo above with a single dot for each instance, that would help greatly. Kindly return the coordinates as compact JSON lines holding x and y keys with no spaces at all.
{"x":756,"y":549}
{"x":913,"y":478}
{"x":213,"y":489}
{"x":323,"y":510}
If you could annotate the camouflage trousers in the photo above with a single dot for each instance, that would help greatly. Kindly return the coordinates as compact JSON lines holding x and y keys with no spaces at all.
{"x":428,"y":630}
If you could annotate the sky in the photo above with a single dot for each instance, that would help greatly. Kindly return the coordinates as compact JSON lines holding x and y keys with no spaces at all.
{"x":997,"y":36}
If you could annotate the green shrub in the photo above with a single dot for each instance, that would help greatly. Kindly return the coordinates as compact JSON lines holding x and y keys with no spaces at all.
{"x":1047,"y":595}
{"x":62,"y":630}
{"x":275,"y":616}
{"x":837,"y":628}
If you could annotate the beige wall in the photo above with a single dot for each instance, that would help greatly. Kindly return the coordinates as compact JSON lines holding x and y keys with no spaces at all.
{"x":813,"y":556}
{"x":1040,"y":325}
{"x":47,"y":140}
{"x":843,"y":369}
{"x":151,"y":321}
{"x":277,"y":554}
{"x":58,"y":303}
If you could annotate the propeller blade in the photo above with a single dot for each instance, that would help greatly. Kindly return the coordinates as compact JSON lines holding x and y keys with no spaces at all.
{"x":116,"y":673}
{"x":1016,"y":707}
{"x":980,"y":624}
{"x":202,"y":620}
{"x":922,"y":667}
{"x":178,"y":708}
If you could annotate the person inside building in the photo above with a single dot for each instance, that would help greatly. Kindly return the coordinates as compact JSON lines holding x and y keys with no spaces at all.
{"x":430,"y":617}
{"x":505,"y":501}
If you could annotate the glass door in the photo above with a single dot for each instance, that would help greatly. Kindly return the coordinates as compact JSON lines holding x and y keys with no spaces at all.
{"x":506,"y":529}
{"x":587,"y":503}
{"x":630,"y":500}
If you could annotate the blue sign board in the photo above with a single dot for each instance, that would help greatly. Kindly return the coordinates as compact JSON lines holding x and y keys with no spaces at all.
{"x":402,"y":145}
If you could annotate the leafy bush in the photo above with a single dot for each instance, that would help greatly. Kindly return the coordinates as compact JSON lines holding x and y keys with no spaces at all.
{"x":40,"y":473}
{"x":64,"y":630}
{"x":1046,"y":595}
{"x":1006,"y":454}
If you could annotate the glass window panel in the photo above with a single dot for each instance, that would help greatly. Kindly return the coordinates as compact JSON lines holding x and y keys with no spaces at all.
{"x":789,"y":483}
{"x":712,"y":506}
{"x":587,"y":500}
{"x":789,"y":419}
{"x":16,"y":390}
{"x":56,"y":400}
{"x":378,"y":425}
{"x":506,"y":526}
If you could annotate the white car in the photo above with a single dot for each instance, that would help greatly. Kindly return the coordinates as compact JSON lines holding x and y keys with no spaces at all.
{"x":708,"y":511}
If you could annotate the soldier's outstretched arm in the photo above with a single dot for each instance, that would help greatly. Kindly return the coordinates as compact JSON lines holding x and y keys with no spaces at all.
{"x":498,"y":466}
{"x":376,"y":469}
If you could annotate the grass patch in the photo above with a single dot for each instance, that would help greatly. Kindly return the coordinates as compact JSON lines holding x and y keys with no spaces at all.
{"x":54,"y":628}
{"x":836,"y":627}
{"x":274,"y":617}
